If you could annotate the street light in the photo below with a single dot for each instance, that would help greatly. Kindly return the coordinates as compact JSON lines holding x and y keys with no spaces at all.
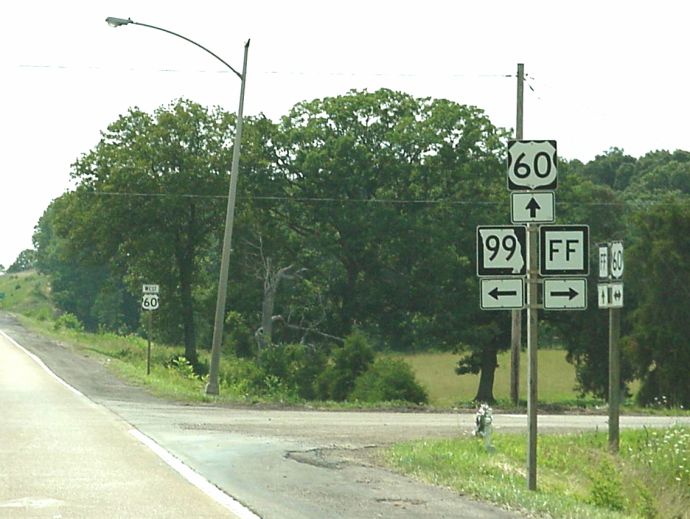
{"x":212,"y":388}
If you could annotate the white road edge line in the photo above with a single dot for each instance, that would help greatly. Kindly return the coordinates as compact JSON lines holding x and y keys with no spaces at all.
{"x":195,"y":478}
{"x":38,"y":361}
{"x":186,"y":472}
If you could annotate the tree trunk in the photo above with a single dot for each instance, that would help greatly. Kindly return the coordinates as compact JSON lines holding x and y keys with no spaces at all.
{"x":485,"y":392}
{"x":185,"y":265}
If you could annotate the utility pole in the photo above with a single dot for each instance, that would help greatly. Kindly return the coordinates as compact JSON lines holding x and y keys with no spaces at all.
{"x":516,"y":315}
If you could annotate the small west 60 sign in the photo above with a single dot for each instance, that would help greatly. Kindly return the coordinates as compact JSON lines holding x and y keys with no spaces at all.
{"x":150,"y":302}
{"x":532,"y":165}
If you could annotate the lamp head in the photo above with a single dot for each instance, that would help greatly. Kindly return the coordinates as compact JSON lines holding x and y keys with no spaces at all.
{"x":117,"y":22}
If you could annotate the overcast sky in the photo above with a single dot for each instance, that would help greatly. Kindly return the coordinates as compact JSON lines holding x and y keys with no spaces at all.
{"x":603,"y":73}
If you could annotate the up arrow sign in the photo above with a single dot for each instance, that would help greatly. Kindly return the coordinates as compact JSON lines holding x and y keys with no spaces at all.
{"x":532,"y":206}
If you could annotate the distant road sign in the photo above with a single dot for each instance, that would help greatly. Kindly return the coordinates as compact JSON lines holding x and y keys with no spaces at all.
{"x":617,"y":259}
{"x":532,"y":165}
{"x":610,"y":295}
{"x":502,"y":294}
{"x":501,"y":250}
{"x":150,"y":289}
{"x":603,"y":261}
{"x":564,"y":250}
{"x":150,"y":302}
{"x":616,"y":295}
{"x":565,"y":294}
{"x":531,"y":207}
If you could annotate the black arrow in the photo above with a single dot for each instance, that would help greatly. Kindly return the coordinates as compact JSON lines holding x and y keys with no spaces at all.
{"x":617,"y":295}
{"x":570,"y":294}
{"x":533,"y":206}
{"x":496,"y":293}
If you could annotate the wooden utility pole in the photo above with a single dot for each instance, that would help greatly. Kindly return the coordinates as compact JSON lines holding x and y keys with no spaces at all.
{"x":516,"y":315}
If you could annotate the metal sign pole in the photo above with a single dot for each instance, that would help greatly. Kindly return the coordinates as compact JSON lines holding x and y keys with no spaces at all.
{"x":532,"y":339}
{"x":614,"y":378}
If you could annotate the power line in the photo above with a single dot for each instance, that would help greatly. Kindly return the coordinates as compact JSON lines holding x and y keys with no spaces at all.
{"x":398,"y":201}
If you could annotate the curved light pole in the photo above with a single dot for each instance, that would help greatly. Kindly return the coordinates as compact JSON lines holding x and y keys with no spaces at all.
{"x":212,"y":388}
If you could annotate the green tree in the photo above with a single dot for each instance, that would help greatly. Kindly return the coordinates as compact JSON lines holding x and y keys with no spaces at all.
{"x":658,"y":272}
{"x":147,"y":207}
{"x":392,"y":189}
{"x":26,"y":260}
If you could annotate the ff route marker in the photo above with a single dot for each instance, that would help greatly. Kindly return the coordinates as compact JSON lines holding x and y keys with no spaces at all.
{"x":564,"y":250}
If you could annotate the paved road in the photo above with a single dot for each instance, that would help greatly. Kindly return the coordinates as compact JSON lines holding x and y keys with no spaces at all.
{"x":285,"y":464}
{"x":61,"y":455}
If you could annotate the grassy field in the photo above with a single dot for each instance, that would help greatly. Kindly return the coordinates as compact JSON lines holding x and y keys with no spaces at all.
{"x":26,"y":293}
{"x":436,"y":372}
{"x":577,"y":478}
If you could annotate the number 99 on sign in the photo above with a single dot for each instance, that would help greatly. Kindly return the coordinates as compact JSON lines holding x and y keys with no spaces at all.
{"x":150,"y":302}
{"x":501,"y":250}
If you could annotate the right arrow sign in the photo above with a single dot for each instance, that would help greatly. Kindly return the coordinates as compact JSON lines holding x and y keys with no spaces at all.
{"x":565,"y":294}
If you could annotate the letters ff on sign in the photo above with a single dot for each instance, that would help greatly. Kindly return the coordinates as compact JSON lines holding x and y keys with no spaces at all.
{"x":564,"y":250}
{"x":532,"y":165}
{"x":501,"y":250}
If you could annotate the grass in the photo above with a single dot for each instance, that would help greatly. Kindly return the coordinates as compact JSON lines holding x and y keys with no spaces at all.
{"x":436,"y":371}
{"x":27,"y":293}
{"x":577,"y":476}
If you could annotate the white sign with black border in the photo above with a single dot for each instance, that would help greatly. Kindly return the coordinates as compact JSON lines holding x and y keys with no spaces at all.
{"x":501,"y":250}
{"x":502,"y":294}
{"x":564,"y":250}
{"x":150,"y":289}
{"x":565,"y":294}
{"x":150,"y":302}
{"x":617,"y":264}
{"x":532,"y":207}
{"x":532,"y":165}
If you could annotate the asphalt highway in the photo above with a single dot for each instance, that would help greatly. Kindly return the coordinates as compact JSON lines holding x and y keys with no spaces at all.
{"x":273,"y":464}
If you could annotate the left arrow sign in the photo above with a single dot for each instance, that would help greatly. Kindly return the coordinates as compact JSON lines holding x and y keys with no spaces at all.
{"x":502,"y":294}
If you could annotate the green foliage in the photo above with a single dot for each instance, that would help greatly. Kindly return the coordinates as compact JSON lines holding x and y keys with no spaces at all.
{"x":607,"y":487}
{"x":348,"y":362}
{"x":658,"y":267}
{"x":614,"y":488}
{"x":239,"y":335}
{"x":388,"y":380}
{"x":25,"y":261}
{"x":182,"y":367}
{"x":68,"y":322}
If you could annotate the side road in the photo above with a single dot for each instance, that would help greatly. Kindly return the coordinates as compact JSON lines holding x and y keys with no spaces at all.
{"x":279,"y":464}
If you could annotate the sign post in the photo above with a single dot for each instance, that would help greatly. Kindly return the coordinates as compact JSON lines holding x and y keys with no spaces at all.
{"x":149,"y":302}
{"x":611,"y":266}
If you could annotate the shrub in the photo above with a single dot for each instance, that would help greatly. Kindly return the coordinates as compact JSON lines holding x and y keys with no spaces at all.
{"x":348,"y":362}
{"x":607,"y":487}
{"x":296,"y":365}
{"x":68,"y":322}
{"x":240,"y":336}
{"x":387,"y":380}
